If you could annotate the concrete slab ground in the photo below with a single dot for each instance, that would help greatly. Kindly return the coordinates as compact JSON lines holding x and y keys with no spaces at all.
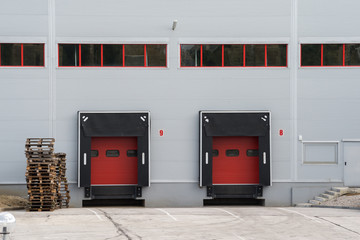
{"x":243,"y":223}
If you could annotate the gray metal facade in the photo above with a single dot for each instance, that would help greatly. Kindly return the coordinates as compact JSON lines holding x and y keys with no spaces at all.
{"x":315,"y":107}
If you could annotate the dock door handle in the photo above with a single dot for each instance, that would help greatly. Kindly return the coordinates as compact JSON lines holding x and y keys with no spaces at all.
{"x":264,"y":157}
{"x":84,"y":159}
{"x":143,"y":158}
{"x":206,"y":158}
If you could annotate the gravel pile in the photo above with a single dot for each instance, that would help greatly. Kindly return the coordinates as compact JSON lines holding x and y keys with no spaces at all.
{"x":347,"y":200}
{"x":7,"y":201}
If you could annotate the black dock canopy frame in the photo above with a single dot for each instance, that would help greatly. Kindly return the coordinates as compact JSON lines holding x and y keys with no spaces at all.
{"x":234,"y":123}
{"x":113,"y":124}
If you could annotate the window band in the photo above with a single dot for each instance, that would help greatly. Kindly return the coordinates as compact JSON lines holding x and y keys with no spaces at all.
{"x":154,"y":55}
{"x":256,"y":56}
{"x":14,"y":55}
{"x":330,"y":55}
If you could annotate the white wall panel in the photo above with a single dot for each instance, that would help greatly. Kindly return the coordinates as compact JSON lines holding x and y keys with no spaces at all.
{"x":19,"y":25}
{"x":21,"y":7}
{"x":280,"y":170}
{"x":195,"y":18}
{"x":324,"y":18}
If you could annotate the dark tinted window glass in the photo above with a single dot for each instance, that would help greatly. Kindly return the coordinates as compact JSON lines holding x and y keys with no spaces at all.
{"x":215,"y":152}
{"x":10,"y":54}
{"x":311,"y":55}
{"x":156,"y":55}
{"x":90,"y":55}
{"x":212,"y":55}
{"x":94,"y":153}
{"x":252,"y":153}
{"x":33,"y":54}
{"x":112,"y":55}
{"x":68,"y":54}
{"x":254,"y":55}
{"x":134,"y":55}
{"x":190,"y":55}
{"x":233,"y":55}
{"x":333,"y":54}
{"x":112,"y":153}
{"x":352,"y":54}
{"x":131,"y":153}
{"x":276,"y":55}
{"x":232,"y":153}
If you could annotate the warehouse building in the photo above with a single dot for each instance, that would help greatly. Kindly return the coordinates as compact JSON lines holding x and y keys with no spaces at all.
{"x":184,"y":103}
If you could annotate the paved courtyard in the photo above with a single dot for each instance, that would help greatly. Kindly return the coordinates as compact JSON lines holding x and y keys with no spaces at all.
{"x":188,"y":223}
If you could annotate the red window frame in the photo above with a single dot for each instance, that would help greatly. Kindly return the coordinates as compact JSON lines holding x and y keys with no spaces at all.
{"x":22,"y":55}
{"x":123,"y":57}
{"x":322,"y":55}
{"x":244,"y":58}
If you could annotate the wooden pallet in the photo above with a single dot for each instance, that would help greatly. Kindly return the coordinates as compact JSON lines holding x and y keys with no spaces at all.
{"x":41,"y":197}
{"x":35,"y":164}
{"x":45,"y":175}
{"x":38,"y":160}
{"x":40,"y":209}
{"x":39,"y":142}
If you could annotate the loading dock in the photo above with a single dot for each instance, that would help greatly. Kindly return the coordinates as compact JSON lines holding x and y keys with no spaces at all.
{"x":113,"y":153}
{"x":234,"y":153}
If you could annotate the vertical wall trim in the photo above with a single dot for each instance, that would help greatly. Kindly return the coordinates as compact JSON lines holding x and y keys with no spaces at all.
{"x":51,"y":45}
{"x":294,"y":65}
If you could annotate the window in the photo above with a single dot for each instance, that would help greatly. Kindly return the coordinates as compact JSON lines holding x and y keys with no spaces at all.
{"x":10,"y":54}
{"x":112,"y":55}
{"x":94,"y":153}
{"x":276,"y":55}
{"x":212,"y":55}
{"x":131,"y":153}
{"x":112,"y":153}
{"x":90,"y":55}
{"x":215,"y":153}
{"x":255,"y":55}
{"x":352,"y":55}
{"x":69,"y":55}
{"x":252,"y":152}
{"x":155,"y":55}
{"x":232,"y":152}
{"x":190,"y":55}
{"x":134,"y":55}
{"x":33,"y":54}
{"x":311,"y":55}
{"x":333,"y":54}
{"x":22,"y":55}
{"x":330,"y":55}
{"x":233,"y":55}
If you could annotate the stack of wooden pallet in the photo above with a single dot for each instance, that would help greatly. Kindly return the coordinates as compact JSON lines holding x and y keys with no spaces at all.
{"x":63,"y":187}
{"x":45,"y":176}
{"x":41,"y":174}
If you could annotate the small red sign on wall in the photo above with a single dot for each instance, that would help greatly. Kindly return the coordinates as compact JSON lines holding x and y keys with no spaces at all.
{"x":281,"y":132}
{"x":161,"y":133}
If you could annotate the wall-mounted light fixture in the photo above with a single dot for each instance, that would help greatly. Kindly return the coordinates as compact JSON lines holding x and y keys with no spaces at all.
{"x":174,"y":24}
